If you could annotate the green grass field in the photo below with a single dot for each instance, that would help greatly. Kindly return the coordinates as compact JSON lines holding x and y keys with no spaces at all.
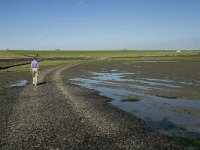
{"x":114,"y":53}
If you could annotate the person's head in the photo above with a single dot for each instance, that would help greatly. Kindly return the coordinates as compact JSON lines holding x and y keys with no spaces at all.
{"x":34,"y":58}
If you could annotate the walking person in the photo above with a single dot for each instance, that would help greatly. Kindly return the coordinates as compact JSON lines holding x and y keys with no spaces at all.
{"x":34,"y":70}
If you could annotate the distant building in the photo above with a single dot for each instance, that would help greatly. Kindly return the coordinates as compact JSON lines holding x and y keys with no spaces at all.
{"x":178,"y":51}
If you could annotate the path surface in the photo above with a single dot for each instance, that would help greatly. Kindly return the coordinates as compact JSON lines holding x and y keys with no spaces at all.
{"x":58,"y":115}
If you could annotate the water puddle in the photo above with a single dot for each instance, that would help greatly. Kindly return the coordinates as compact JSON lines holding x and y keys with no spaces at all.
{"x":169,"y":115}
{"x":19,"y":83}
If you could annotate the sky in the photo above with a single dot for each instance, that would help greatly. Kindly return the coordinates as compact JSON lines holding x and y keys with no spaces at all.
{"x":99,"y":24}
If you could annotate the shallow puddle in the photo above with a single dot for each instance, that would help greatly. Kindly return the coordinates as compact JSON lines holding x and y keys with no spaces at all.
{"x":169,"y":115}
{"x":19,"y":83}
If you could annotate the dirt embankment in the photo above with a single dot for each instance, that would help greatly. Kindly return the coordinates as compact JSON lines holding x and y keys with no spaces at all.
{"x":8,"y":63}
{"x":59,"y":115}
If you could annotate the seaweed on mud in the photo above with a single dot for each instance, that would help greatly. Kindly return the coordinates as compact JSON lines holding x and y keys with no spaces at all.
{"x":168,"y":97}
{"x":188,"y":141}
{"x":132,"y":98}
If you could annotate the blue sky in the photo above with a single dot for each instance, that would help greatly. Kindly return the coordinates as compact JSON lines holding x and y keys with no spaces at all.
{"x":99,"y":24}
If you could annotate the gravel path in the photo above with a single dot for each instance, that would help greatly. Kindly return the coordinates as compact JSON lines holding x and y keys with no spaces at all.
{"x":59,"y":115}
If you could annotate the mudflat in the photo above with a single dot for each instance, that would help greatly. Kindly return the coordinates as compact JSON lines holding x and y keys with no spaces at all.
{"x":185,"y":73}
{"x":164,"y":94}
{"x":59,"y":115}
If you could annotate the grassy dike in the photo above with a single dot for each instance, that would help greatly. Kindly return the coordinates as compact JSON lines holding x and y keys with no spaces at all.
{"x":108,"y":53}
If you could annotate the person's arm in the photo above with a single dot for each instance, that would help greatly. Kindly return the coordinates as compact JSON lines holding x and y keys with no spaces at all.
{"x":38,"y":67}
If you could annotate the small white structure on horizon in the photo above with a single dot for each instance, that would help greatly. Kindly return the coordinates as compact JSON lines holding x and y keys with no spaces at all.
{"x":178,"y":51}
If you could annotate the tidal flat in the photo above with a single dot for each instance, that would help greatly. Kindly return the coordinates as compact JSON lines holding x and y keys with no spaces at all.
{"x":165,"y":94}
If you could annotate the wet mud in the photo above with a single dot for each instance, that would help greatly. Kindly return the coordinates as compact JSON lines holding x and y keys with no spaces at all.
{"x":166,"y":95}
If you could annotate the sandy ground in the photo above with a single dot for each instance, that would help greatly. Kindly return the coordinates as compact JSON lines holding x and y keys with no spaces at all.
{"x":59,"y":115}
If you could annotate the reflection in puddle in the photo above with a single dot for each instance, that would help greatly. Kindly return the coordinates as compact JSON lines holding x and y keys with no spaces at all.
{"x":119,"y":77}
{"x":194,"y":82}
{"x":174,"y":117}
{"x":19,"y":83}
